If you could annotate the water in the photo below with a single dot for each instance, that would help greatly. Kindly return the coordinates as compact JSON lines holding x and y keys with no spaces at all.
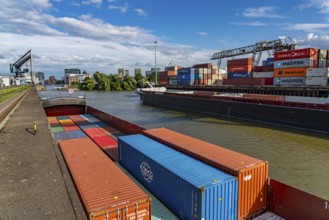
{"x":299,"y":159}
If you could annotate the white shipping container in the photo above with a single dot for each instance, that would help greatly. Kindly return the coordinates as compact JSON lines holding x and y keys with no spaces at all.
{"x":322,"y":63}
{"x":215,"y":67}
{"x":322,"y":54}
{"x":316,"y":81}
{"x":314,"y":100}
{"x":262,"y":74}
{"x":289,"y":81}
{"x":205,"y":71}
{"x":304,"y":62}
{"x":317,"y":72}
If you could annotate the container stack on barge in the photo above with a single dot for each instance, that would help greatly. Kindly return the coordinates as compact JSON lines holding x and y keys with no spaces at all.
{"x":155,"y":161}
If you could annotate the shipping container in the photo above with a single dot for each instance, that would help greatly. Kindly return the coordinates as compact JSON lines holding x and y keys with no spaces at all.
{"x":203,"y":65}
{"x":323,"y":54}
{"x":53,"y":122}
{"x":185,"y":76}
{"x":62,"y":117}
{"x":289,"y":81}
{"x":189,"y":70}
{"x":105,"y":191}
{"x":244,"y":81}
{"x":239,"y":69}
{"x":262,"y":74}
{"x":231,"y":75}
{"x":303,"y":62}
{"x":90,"y":118}
{"x":66,"y":122}
{"x":190,"y":188}
{"x":296,"y":54}
{"x":76,"y":134}
{"x":198,"y":76}
{"x":61,"y":135}
{"x":56,"y":129}
{"x":71,"y":127}
{"x":173,"y":82}
{"x":317,"y":72}
{"x":252,"y":173}
{"x":316,"y":81}
{"x":263,"y":69}
{"x":172,"y":77}
{"x":77,"y":118}
{"x":290,"y":72}
{"x":322,"y":63}
{"x":239,"y":62}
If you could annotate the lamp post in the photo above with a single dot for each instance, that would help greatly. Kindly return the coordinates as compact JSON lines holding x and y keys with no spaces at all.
{"x":155,"y":61}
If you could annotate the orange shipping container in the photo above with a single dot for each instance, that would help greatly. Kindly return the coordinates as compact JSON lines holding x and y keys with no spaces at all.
{"x":290,"y":72}
{"x":252,"y":173}
{"x":106,"y":192}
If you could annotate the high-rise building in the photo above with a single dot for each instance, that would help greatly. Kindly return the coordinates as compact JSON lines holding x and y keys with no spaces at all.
{"x":120,"y":72}
{"x":70,"y":73}
{"x":138,"y":71}
{"x":127,"y":72}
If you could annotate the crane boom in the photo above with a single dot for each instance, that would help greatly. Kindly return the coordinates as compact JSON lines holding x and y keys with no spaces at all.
{"x":16,"y":67}
{"x":257,"y":49}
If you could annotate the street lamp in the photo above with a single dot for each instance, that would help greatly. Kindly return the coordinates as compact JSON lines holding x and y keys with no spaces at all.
{"x":155,"y":61}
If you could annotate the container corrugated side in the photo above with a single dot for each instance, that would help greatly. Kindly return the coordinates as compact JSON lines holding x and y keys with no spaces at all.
{"x":252,"y":173}
{"x":105,"y":191}
{"x":296,"y":54}
{"x":238,"y":62}
{"x":316,"y":81}
{"x":310,"y":72}
{"x":77,"y":118}
{"x":262,"y":74}
{"x":289,"y":81}
{"x":303,"y":62}
{"x":190,"y":188}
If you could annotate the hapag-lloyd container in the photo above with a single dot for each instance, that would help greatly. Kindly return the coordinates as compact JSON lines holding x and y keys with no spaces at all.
{"x":296,"y":54}
{"x":105,"y":190}
{"x":290,"y":72}
{"x":191,"y":189}
{"x":304,"y":62}
{"x":310,"y":72}
{"x":316,"y":81}
{"x":289,"y":81}
{"x":252,"y":173}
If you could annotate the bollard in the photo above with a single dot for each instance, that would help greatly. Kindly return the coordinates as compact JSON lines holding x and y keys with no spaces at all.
{"x":35,"y":127}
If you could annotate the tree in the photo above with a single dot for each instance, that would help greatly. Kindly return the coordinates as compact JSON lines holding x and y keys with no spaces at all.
{"x":89,"y":84}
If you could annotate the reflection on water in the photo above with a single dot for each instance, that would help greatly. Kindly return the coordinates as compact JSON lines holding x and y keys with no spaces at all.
{"x":296,"y":158}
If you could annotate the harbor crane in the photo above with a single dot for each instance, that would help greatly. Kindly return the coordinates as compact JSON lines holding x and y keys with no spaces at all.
{"x":16,"y":67}
{"x":256,"y":49}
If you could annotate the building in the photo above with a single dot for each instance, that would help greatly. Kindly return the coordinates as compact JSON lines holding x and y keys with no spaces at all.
{"x":120,"y":72}
{"x":148,"y":73}
{"x":126,"y":72}
{"x":39,"y":78}
{"x":70,"y":73}
{"x":5,"y":81}
{"x":138,"y":71}
{"x":72,"y":79}
{"x":52,"y":80}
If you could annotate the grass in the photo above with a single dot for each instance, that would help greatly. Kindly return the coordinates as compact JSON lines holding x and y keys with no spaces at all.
{"x":7,"y":93}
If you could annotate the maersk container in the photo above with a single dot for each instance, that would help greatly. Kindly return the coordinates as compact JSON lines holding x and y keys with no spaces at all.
{"x":190,"y":188}
{"x":303,"y":62}
{"x":231,"y":75}
{"x":289,"y":81}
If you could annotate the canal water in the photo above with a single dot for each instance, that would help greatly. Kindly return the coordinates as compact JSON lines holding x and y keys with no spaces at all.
{"x":297,"y":158}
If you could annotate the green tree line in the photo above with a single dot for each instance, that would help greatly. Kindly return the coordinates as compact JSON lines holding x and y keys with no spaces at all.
{"x":104,"y":82}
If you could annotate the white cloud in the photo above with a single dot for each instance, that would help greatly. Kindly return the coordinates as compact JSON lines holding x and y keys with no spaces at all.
{"x":261,"y":12}
{"x":307,"y":27}
{"x":202,"y":33}
{"x":92,"y":2}
{"x":123,"y":8}
{"x":323,"y":5}
{"x":140,"y":12}
{"x":313,"y":40}
{"x":253,"y":23}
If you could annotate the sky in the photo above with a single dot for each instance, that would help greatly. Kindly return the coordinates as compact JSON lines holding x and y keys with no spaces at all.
{"x":104,"y":35}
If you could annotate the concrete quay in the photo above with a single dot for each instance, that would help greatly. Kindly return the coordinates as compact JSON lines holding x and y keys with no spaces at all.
{"x":34,"y":181}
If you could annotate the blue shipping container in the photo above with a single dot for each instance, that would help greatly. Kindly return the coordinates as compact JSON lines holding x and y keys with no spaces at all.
{"x":189,"y":70}
{"x":185,"y":76}
{"x":190,"y":188}
{"x":76,"y":134}
{"x":231,"y":75}
{"x":62,"y":117}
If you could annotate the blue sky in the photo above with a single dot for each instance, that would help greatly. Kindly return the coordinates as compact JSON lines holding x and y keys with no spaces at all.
{"x":103,"y":35}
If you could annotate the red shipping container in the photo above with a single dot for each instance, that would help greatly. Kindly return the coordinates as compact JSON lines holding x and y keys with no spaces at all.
{"x":244,"y":81}
{"x":239,"y":62}
{"x":71,"y":128}
{"x":263,"y":68}
{"x":296,"y":54}
{"x":239,"y":69}
{"x":269,"y":81}
{"x":171,"y":73}
{"x":77,"y":118}
{"x":203,"y":65}
{"x":106,"y":191}
{"x":252,"y":173}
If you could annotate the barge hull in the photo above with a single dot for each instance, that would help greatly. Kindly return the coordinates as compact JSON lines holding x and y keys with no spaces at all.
{"x":299,"y":118}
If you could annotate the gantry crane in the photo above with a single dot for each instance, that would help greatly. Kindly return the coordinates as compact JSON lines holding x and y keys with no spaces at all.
{"x":256,"y":49}
{"x":16,"y":67}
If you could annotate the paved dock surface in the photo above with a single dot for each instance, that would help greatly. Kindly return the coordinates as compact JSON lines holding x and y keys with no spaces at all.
{"x":32,"y":185}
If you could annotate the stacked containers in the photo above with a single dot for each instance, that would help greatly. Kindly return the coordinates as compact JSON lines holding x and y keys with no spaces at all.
{"x":172,"y":76}
{"x":239,"y":68}
{"x":290,"y":66}
{"x":55,"y":126}
{"x":190,"y":188}
{"x":185,"y":76}
{"x":317,"y":76}
{"x":265,"y":71}
{"x":69,"y":129}
{"x":164,"y":77}
{"x":106,"y":192}
{"x":252,"y":173}
{"x":206,"y":74}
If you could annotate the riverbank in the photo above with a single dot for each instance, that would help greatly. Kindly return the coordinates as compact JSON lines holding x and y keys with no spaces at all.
{"x":32,"y":182}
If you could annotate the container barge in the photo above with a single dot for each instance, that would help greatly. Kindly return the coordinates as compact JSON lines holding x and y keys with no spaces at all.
{"x":100,"y":193}
{"x":304,"y":113}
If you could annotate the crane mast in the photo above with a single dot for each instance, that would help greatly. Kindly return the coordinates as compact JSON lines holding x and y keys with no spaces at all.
{"x":256,"y":49}
{"x":16,"y":67}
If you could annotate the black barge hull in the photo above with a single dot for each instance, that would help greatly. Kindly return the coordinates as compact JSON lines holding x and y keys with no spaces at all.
{"x":304,"y":119}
